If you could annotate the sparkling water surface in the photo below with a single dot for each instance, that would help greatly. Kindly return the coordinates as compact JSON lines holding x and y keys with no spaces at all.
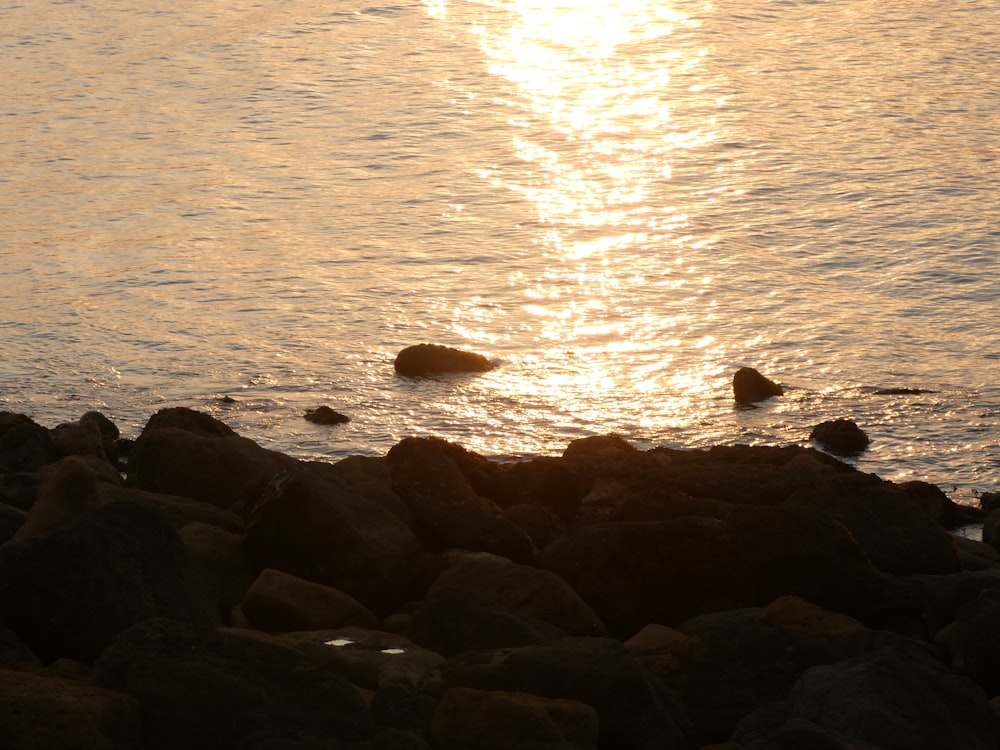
{"x":619,"y":202}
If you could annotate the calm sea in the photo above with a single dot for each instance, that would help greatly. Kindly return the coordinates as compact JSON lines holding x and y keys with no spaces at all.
{"x":621,"y":202}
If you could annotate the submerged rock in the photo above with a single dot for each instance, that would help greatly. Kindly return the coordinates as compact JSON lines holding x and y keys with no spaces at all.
{"x":434,"y":359}
{"x":749,"y":386}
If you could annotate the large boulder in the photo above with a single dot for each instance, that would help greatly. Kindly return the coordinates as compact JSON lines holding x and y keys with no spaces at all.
{"x":201,"y":688}
{"x":220,"y":470}
{"x":524,"y":589}
{"x":505,"y":720}
{"x":24,"y":444}
{"x":896,"y":529}
{"x":319,"y":531}
{"x":434,"y":359}
{"x":896,"y":697}
{"x":664,"y":572}
{"x":68,"y":493}
{"x":69,"y":592}
{"x":220,"y":564}
{"x":633,"y":711}
{"x":971,"y":641}
{"x":41,"y":711}
{"x":281,"y":602}
{"x":750,"y":386}
{"x":790,"y":550}
{"x":446,"y":507}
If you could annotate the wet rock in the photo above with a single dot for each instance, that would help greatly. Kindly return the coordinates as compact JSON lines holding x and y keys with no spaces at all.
{"x":280,"y":602}
{"x":319,"y":531}
{"x":549,"y":484}
{"x":840,"y":436}
{"x":750,"y":386}
{"x":434,"y":359}
{"x":215,"y":469}
{"x":666,"y":572}
{"x":24,"y":445}
{"x":633,"y":711}
{"x":69,"y":592}
{"x":445,"y":506}
{"x":40,"y":711}
{"x":201,"y":688}
{"x":326,"y":416}
{"x":504,"y":720}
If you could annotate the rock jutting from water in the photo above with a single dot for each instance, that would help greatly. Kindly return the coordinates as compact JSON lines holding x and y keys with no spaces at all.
{"x":750,"y":386}
{"x":434,"y":359}
{"x":221,"y":595}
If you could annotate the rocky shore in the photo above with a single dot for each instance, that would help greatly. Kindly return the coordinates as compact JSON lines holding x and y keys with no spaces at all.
{"x":191,"y":589}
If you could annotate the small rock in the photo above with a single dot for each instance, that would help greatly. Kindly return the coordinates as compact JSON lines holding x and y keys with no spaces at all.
{"x":434,"y":359}
{"x":749,"y":386}
{"x":840,"y":436}
{"x":326,"y":415}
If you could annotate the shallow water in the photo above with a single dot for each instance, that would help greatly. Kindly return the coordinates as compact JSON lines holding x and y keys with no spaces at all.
{"x":619,"y":202}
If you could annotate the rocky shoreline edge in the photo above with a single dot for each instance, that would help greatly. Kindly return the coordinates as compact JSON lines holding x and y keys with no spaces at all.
{"x":193,"y":589}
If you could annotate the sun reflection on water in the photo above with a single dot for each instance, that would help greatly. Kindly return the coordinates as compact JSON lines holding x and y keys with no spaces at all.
{"x":590,"y":89}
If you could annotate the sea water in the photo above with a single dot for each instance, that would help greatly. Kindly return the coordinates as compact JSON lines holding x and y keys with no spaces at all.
{"x":249,"y":208}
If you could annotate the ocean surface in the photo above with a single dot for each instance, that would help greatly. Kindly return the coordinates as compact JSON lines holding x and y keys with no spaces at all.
{"x":621,"y":203}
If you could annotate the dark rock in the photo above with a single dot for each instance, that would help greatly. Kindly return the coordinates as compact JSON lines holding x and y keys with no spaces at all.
{"x":178,"y":511}
{"x":190,"y":420}
{"x":370,"y":659}
{"x":40,"y":711}
{"x":403,"y":707}
{"x":897,"y":697}
{"x":20,"y":489}
{"x":749,"y":386}
{"x":550,"y":484}
{"x":446,"y":507}
{"x":726,"y":665}
{"x":326,"y":416}
{"x":105,"y":426}
{"x":11,"y":520}
{"x":434,"y":359}
{"x":530,"y":591}
{"x":989,"y":501}
{"x":280,"y":602}
{"x":840,"y":436}
{"x":502,"y":720}
{"x":457,"y":620}
{"x":633,"y":711}
{"x":24,"y":445}
{"x":216,"y":469}
{"x":789,"y":550}
{"x":896,"y":529}
{"x":79,"y":439}
{"x":68,"y":493}
{"x":971,"y":641}
{"x":633,"y":574}
{"x":68,"y":593}
{"x":220,"y":564}
{"x":902,"y":391}
{"x":14,"y":653}
{"x":319,"y":531}
{"x":202,"y":688}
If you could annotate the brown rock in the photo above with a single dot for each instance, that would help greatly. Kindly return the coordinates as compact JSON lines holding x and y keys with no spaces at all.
{"x":446,"y":507}
{"x":749,"y":386}
{"x":840,"y":436}
{"x":434,"y":359}
{"x":468,"y":719}
{"x":280,"y":602}
{"x":38,"y":711}
{"x":326,"y":416}
{"x":68,"y":493}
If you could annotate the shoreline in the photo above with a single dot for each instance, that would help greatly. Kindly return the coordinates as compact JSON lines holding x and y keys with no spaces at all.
{"x":219,"y":594}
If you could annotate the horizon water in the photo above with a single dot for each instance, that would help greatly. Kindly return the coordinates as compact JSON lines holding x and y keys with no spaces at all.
{"x":621,"y":203}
